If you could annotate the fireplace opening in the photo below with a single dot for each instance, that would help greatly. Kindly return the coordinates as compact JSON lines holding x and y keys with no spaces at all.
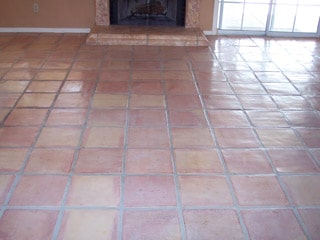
{"x":148,"y":12}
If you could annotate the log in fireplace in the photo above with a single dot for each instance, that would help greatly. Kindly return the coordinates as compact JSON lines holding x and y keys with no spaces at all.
{"x":148,"y":12}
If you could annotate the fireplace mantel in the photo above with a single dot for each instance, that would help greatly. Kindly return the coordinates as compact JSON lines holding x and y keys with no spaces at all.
{"x":191,"y":18}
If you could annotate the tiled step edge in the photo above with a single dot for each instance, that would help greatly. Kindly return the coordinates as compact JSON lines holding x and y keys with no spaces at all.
{"x":147,"y":39}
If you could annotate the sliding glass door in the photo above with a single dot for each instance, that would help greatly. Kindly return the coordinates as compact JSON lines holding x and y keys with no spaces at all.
{"x":270,"y":17}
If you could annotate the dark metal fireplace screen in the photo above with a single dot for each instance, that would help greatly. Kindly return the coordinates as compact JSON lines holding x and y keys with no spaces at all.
{"x":148,"y":12}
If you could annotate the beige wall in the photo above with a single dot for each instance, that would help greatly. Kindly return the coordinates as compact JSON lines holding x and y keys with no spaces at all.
{"x":52,"y":13}
{"x":206,"y":14}
{"x":68,"y":13}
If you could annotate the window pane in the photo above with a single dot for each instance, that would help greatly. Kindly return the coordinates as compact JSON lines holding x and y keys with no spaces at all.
{"x":283,"y":18}
{"x":255,"y":17}
{"x":232,"y":16}
{"x":307,"y":19}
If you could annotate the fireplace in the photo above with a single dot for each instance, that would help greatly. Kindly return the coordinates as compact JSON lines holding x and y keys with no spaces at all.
{"x":107,"y":12}
{"x":111,"y":30}
{"x":147,"y":12}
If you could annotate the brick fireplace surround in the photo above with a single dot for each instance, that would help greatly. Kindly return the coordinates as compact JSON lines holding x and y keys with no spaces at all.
{"x":105,"y":34}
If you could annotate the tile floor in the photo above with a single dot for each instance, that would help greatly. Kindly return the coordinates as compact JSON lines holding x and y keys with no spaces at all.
{"x":123,"y":142}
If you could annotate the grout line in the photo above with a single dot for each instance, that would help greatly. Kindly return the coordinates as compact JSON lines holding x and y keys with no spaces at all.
{"x":220,"y":154}
{"x":174,"y":168}
{"x":125,"y":154}
{"x":20,"y":173}
{"x":76,"y":152}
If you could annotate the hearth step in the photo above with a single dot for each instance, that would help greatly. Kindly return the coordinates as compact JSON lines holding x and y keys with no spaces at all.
{"x":146,"y":35}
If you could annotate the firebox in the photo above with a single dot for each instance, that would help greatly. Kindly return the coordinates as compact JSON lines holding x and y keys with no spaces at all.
{"x":148,"y":12}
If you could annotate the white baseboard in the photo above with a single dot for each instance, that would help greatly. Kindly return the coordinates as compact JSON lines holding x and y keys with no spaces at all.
{"x":43,"y":30}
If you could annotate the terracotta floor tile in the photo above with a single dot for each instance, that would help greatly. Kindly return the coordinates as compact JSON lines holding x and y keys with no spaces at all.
{"x":180,"y":102}
{"x":103,"y":137}
{"x":113,"y":87}
{"x":191,"y":137}
{"x":278,"y":137}
{"x":147,"y":117}
{"x":89,"y":224}
{"x":142,"y":75}
{"x":304,"y":190}
{"x":221,"y":102}
{"x":147,"y":101}
{"x":254,"y":102}
{"x":26,"y":117}
{"x":187,"y":118}
{"x":291,"y":102}
{"x":76,"y":100}
{"x":117,"y":64}
{"x":197,"y":161}
{"x":146,"y":161}
{"x":13,"y":86}
{"x":204,"y":191}
{"x":246,"y":161}
{"x":177,"y":75}
{"x":311,"y":137}
{"x":136,"y":125}
{"x":17,"y":136}
{"x":59,"y":137}
{"x":8,"y":99}
{"x":28,"y":224}
{"x":55,"y":64}
{"x":78,"y":86}
{"x":228,"y":118}
{"x":82,"y":75}
{"x":180,"y":87}
{"x":311,"y":219}
{"x":107,"y":117}
{"x":3,"y":113}
{"x":250,"y":193}
{"x":115,"y":75}
{"x":50,"y":161}
{"x":94,"y":191}
{"x":109,"y":101}
{"x":211,"y":88}
{"x":86,"y":64}
{"x":23,"y":74}
{"x":5,"y":185}
{"x":44,"y":87}
{"x":34,"y":190}
{"x":99,"y":161}
{"x":66,"y":117}
{"x":146,"y":88}
{"x":149,"y":191}
{"x":236,"y":138}
{"x":267,"y":118}
{"x":272,"y":224}
{"x":55,"y":75}
{"x":148,"y":137}
{"x":205,"y":224}
{"x":292,"y":161}
{"x":165,"y":223}
{"x":11,"y":159}
{"x":303,"y":119}
{"x":248,"y":88}
{"x":36,"y":100}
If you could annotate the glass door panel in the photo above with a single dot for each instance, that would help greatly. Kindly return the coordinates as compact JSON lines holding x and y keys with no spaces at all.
{"x":307,"y":19}
{"x":255,"y":17}
{"x":270,"y":17}
{"x":232,"y":16}
{"x":283,"y":18}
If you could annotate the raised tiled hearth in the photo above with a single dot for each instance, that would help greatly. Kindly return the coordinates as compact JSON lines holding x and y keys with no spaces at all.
{"x":148,"y":36}
{"x":106,"y":34}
